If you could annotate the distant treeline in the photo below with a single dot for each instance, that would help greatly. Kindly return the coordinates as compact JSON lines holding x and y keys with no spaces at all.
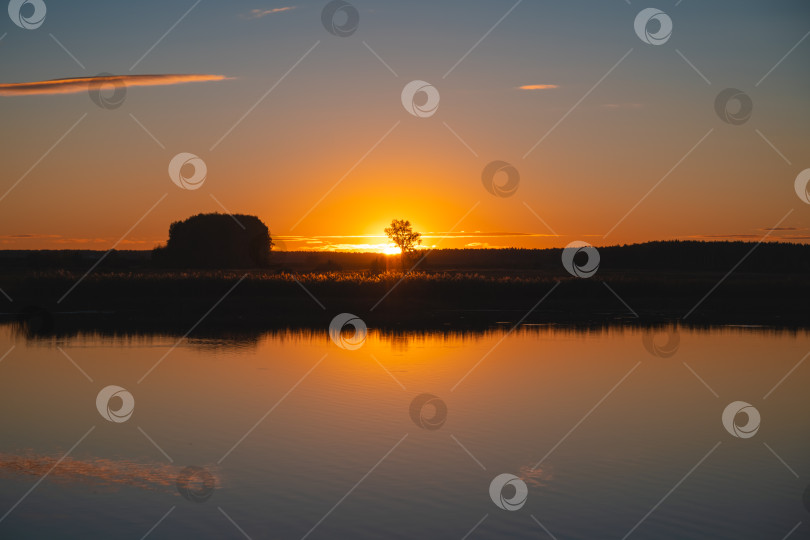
{"x":661,"y":257}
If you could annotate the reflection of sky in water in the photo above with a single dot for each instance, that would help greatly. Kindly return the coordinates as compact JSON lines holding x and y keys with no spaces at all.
{"x":324,"y":417}
{"x":539,"y":477}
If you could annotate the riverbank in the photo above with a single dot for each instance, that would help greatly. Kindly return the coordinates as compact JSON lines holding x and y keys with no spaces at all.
{"x":223,"y":301}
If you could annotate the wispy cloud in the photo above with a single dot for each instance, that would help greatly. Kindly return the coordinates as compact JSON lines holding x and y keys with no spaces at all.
{"x":375,"y":243}
{"x":428,"y":234}
{"x":16,"y":236}
{"x":538,"y":87}
{"x":56,"y":239}
{"x":623,"y":105}
{"x":775,"y":234}
{"x":478,"y":234}
{"x":82,"y":84}
{"x":724,"y":236}
{"x":259,"y":13}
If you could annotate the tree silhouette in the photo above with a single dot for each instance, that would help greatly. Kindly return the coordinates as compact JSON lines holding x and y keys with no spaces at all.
{"x":402,"y":234}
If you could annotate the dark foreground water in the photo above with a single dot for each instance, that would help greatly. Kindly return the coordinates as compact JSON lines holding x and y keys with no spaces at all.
{"x":541,"y":433}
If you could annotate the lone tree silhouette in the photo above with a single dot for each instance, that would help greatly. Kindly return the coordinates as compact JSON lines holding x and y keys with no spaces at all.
{"x":401,"y":233}
{"x":216,"y":241}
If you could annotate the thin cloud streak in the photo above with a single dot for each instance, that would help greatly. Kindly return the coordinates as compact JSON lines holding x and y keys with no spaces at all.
{"x":538,"y":87}
{"x":430,"y":234}
{"x":365,"y":242}
{"x":82,"y":84}
{"x":15,"y":236}
{"x":623,"y":105}
{"x":72,"y":242}
{"x":259,"y":13}
{"x":798,"y":234}
{"x":723,"y":236}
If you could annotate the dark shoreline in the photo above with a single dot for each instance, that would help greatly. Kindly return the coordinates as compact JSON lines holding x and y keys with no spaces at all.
{"x":174,"y":303}
{"x":656,"y":283}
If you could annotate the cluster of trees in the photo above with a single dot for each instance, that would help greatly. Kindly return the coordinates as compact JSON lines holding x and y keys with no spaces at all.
{"x":216,"y":241}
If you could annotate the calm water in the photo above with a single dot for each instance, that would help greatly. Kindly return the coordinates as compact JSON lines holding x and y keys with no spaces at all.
{"x":300,"y":437}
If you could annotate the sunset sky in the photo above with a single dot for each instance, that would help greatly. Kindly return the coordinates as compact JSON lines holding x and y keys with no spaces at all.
{"x":307,"y":130}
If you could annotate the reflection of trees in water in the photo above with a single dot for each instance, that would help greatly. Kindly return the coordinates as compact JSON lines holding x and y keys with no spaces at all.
{"x":82,"y":330}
